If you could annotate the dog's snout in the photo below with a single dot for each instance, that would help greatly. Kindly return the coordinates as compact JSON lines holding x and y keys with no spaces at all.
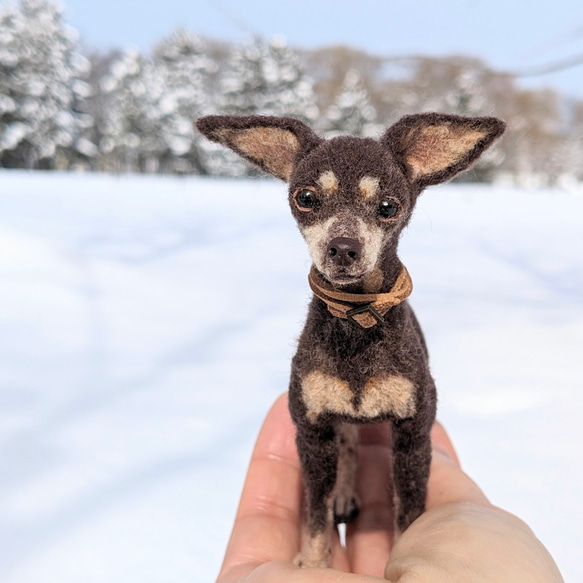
{"x":344,"y":251}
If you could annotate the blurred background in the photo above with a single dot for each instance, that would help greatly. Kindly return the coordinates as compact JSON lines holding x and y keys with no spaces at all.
{"x":140,"y":347}
{"x":110,"y":86}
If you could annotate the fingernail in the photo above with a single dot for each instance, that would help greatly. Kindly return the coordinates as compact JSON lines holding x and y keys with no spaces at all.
{"x":442,"y":451}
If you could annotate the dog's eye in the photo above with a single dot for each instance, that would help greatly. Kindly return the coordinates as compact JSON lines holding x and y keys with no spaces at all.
{"x":388,"y":209}
{"x":305,"y":199}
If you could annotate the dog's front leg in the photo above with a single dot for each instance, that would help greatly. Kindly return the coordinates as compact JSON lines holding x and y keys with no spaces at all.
{"x":318,"y":451}
{"x":411,"y":461}
{"x":346,"y":503}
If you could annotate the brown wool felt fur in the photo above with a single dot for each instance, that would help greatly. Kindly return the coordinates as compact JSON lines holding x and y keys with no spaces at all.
{"x":351,"y":198}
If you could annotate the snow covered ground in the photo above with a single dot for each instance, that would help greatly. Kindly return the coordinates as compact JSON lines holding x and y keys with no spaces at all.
{"x":146,"y":325}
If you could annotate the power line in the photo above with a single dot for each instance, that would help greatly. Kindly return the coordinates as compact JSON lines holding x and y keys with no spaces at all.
{"x":560,"y":65}
{"x":235,"y":19}
{"x":540,"y":70}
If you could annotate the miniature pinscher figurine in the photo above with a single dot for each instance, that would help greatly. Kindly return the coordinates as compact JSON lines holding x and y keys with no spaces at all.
{"x":361,"y":357}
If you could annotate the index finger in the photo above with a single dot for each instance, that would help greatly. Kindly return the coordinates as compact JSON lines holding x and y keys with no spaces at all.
{"x":267,"y":522}
{"x":447,"y":481}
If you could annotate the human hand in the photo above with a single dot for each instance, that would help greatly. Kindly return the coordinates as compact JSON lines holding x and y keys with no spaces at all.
{"x":460,"y":538}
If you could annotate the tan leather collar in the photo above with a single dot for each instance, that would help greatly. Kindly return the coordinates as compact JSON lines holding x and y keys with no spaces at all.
{"x":364,"y":310}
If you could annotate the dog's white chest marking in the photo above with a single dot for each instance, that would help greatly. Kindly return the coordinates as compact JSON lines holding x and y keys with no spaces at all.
{"x":323,"y":393}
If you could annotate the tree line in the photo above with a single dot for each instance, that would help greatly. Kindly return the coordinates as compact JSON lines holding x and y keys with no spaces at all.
{"x":61,"y":108}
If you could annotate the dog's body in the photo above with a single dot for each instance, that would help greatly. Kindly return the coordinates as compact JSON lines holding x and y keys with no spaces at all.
{"x":361,"y":357}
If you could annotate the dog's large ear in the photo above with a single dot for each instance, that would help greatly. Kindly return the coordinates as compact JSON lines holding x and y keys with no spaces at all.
{"x":434,"y":147}
{"x":272,"y":143}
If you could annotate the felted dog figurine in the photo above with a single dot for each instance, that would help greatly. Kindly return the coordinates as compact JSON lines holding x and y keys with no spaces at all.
{"x":361,"y":357}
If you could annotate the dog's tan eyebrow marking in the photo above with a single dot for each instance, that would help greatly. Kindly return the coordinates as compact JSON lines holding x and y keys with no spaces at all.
{"x":328,"y":182}
{"x":369,"y":186}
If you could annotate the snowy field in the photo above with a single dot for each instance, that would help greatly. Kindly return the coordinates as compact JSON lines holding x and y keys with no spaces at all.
{"x":147,"y":325}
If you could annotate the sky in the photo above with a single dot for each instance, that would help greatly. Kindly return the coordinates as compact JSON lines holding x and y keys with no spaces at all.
{"x":513,"y":36}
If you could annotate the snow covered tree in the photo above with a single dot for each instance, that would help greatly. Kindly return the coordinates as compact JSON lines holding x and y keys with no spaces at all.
{"x":465,"y":95}
{"x":139,"y":115}
{"x":266,"y":78}
{"x":574,"y":157}
{"x":462,"y":86}
{"x":535,"y":137}
{"x":187,"y":70}
{"x":42,"y":84}
{"x":351,"y":112}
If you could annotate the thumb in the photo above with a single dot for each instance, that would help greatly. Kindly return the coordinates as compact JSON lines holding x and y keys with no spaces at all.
{"x":462,"y":537}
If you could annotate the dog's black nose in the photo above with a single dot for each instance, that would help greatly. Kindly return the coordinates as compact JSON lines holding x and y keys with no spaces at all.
{"x":344,"y":251}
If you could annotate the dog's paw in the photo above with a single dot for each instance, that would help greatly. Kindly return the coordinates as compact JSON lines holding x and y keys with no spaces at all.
{"x":315,"y":551}
{"x":346,"y":508}
{"x":307,"y":562}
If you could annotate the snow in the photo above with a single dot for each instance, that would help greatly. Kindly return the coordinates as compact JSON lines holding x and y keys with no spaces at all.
{"x":148,"y":323}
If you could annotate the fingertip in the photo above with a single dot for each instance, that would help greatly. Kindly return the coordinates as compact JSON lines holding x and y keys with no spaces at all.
{"x":278,"y":412}
{"x":375,"y":434}
{"x":280,"y":406}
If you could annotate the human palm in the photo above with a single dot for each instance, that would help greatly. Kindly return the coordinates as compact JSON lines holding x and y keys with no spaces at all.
{"x":460,"y":538}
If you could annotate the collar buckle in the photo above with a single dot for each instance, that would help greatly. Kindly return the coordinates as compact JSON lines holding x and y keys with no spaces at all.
{"x":362,"y":310}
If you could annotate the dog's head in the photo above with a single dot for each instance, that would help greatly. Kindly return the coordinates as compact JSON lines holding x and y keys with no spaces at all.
{"x":352,"y":196}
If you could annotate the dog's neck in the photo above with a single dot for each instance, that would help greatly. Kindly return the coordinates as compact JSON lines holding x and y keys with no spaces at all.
{"x":363,"y":309}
